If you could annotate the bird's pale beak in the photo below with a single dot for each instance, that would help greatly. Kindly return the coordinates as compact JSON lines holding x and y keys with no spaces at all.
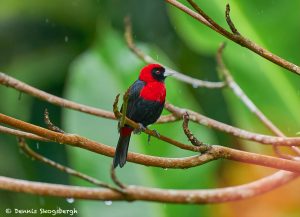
{"x":168,"y":72}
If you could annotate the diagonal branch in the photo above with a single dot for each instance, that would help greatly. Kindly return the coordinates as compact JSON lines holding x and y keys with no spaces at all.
{"x":239,"y":39}
{"x":243,"y":134}
{"x":72,"y":172}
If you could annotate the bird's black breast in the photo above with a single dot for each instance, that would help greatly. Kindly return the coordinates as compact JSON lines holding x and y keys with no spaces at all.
{"x":140,"y":110}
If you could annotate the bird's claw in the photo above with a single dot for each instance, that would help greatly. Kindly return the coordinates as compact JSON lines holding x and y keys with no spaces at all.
{"x":140,"y":129}
{"x":156,"y":133}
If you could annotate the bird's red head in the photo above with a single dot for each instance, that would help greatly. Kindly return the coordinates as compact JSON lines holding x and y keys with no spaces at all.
{"x":153,"y":73}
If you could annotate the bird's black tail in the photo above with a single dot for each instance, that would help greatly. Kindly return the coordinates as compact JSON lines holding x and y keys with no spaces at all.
{"x":121,"y":151}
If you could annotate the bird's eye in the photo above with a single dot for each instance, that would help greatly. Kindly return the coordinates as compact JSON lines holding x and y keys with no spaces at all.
{"x":157,"y":72}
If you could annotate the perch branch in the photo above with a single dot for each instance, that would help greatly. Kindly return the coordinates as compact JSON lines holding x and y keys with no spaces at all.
{"x":214,"y":153}
{"x":119,"y":115}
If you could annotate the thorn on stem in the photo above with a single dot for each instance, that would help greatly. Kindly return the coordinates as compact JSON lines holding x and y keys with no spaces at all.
{"x":49,"y":124}
{"x":229,"y":21}
{"x":203,"y":147}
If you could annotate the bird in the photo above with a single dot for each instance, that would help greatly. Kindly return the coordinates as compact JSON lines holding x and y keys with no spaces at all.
{"x":146,"y":99}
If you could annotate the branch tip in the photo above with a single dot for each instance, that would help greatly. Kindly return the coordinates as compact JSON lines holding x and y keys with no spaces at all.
{"x":229,"y":21}
{"x":116,"y":180}
{"x":185,"y":125}
{"x":49,"y":124}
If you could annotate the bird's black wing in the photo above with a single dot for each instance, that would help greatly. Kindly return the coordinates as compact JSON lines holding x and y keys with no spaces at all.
{"x":134,"y":97}
{"x":140,"y":110}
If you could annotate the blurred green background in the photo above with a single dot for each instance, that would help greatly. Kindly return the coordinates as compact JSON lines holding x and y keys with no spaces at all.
{"x":75,"y":49}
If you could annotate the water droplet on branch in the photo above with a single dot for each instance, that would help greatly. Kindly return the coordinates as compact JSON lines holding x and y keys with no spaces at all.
{"x":108,"y":202}
{"x":70,"y":200}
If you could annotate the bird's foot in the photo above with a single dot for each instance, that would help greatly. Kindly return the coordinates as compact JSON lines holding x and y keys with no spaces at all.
{"x":140,"y":129}
{"x":156,"y":133}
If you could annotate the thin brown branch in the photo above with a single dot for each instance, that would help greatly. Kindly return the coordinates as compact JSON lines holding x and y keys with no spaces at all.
{"x":212,"y":24}
{"x":249,"y":103}
{"x":214,"y":153}
{"x":244,"y":42}
{"x":147,"y":59}
{"x":23,"y":87}
{"x":23,"y":145}
{"x":217,"y":195}
{"x":243,"y":134}
{"x":19,"y":133}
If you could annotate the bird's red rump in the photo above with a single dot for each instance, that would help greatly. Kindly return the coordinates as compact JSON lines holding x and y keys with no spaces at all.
{"x":126,"y":131}
{"x":154,"y":91}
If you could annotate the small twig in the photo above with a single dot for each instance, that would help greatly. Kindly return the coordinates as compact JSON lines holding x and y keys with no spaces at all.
{"x":209,"y":21}
{"x":147,"y":59}
{"x":19,"y":133}
{"x":229,"y":21}
{"x":116,"y":180}
{"x":23,"y":145}
{"x":190,"y":136}
{"x":49,"y":124}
